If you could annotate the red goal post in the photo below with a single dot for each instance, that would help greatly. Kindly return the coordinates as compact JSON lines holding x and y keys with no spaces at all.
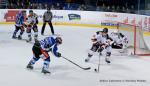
{"x":135,"y":36}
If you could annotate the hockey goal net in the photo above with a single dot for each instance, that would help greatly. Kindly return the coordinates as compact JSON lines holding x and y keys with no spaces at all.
{"x":136,"y":45}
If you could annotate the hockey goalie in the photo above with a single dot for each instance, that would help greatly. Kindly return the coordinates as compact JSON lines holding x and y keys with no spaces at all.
{"x":120,"y":41}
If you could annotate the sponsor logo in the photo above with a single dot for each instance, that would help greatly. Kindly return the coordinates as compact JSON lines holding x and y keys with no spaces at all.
{"x":10,"y":16}
{"x":58,"y":17}
{"x":111,"y":15}
{"x":74,"y":17}
{"x":108,"y":24}
{"x":54,"y":16}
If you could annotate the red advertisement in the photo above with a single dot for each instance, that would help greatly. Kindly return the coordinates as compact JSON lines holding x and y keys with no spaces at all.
{"x":11,"y":15}
{"x":111,"y":15}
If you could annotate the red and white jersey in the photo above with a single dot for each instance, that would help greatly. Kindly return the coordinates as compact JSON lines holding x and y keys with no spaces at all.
{"x":119,"y":39}
{"x":32,"y":19}
{"x":101,"y":39}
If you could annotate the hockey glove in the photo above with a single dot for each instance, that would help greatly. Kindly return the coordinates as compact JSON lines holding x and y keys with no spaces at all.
{"x":59,"y":54}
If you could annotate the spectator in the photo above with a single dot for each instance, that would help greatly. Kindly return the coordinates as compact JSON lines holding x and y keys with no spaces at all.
{"x":39,"y":6}
{"x":103,"y":7}
{"x":82,"y":7}
{"x":57,"y":7}
{"x":30,"y":6}
{"x":127,"y":10}
{"x":98,"y":8}
{"x":132,"y":9}
{"x":118,"y":9}
{"x":123,"y":9}
{"x":52,"y":7}
{"x":45,"y":6}
{"x":108,"y":9}
{"x":67,"y":7}
{"x":113,"y":8}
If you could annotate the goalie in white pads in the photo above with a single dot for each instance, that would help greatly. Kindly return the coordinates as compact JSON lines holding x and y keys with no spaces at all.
{"x":101,"y":41}
{"x":120,"y":41}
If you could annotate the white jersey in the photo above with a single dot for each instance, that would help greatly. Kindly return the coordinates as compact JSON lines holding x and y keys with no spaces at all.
{"x":32,"y":19}
{"x":118,"y":39}
{"x":102,"y":39}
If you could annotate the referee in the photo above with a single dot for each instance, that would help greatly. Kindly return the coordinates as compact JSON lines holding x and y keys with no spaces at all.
{"x":47,"y":18}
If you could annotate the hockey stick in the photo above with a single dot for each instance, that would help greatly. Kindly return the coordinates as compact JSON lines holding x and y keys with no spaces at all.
{"x":97,"y":70}
{"x":87,"y":68}
{"x":98,"y":62}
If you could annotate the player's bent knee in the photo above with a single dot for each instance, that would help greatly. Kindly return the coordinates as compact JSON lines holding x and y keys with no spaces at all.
{"x":36,"y":58}
{"x":108,"y":53}
{"x":47,"y":59}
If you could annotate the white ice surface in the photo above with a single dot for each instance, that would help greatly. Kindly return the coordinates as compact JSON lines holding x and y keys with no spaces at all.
{"x":15,"y":55}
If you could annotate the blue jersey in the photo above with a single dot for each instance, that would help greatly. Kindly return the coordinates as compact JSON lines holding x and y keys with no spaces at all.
{"x":19,"y":19}
{"x":49,"y":43}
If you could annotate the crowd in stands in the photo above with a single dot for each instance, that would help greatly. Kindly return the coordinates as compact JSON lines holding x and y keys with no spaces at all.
{"x":69,"y":5}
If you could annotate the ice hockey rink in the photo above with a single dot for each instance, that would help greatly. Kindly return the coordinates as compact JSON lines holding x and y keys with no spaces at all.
{"x":15,"y":55}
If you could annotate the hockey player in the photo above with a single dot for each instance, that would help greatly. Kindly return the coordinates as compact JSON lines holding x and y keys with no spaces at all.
{"x":101,"y":41}
{"x":32,"y":22}
{"x":119,"y":40}
{"x":40,"y":50}
{"x":19,"y":24}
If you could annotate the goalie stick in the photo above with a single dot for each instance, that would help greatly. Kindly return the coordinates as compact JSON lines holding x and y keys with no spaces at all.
{"x":84,"y":68}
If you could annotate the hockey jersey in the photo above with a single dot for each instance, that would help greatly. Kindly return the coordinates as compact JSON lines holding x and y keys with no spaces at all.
{"x":19,"y":19}
{"x":32,"y":19}
{"x":49,"y":44}
{"x":102,"y":39}
{"x":119,"y":38}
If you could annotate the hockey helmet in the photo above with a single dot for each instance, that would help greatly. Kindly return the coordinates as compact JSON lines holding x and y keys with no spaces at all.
{"x":30,"y":11}
{"x":58,"y":40}
{"x":105,"y":30}
{"x":23,"y":11}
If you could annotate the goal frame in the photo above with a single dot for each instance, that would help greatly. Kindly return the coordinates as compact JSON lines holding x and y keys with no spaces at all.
{"x":135,"y":38}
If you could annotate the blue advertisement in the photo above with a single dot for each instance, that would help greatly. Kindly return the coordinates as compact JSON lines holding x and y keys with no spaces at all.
{"x":74,"y":17}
